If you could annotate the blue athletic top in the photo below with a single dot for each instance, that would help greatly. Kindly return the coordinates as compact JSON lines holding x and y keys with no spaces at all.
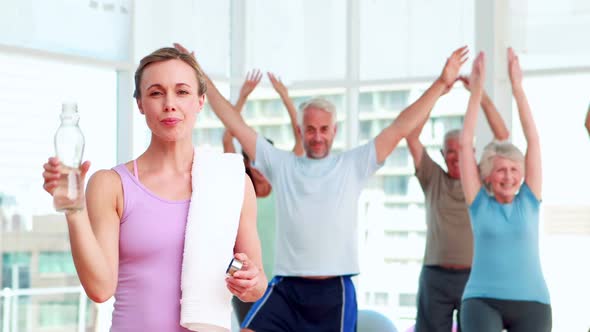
{"x":506,"y":262}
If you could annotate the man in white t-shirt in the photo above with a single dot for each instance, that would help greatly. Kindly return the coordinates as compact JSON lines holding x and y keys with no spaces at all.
{"x":316,"y":203}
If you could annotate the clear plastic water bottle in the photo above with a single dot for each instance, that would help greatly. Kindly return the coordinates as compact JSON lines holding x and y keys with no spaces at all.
{"x":69,"y":148}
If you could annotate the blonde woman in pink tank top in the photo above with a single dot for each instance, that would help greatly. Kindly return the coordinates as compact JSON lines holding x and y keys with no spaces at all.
{"x":128,"y":240}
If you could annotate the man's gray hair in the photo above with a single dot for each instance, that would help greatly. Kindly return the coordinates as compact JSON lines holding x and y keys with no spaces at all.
{"x":320,"y":103}
{"x":451,"y":134}
{"x":498,"y":149}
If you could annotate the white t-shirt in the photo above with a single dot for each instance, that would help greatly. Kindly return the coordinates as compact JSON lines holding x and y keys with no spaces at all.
{"x":316,"y":208}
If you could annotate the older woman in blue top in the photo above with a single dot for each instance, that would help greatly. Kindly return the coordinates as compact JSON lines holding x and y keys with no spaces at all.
{"x":506,"y":288}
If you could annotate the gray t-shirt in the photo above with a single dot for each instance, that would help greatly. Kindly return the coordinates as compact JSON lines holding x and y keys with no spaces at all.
{"x":449,"y":239}
{"x":316,"y":208}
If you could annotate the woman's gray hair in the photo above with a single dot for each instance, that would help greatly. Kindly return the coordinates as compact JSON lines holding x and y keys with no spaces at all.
{"x":498,"y":149}
{"x":320,"y":103}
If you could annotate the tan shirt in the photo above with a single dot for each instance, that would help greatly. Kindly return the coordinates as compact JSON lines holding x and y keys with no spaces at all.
{"x":449,"y":239}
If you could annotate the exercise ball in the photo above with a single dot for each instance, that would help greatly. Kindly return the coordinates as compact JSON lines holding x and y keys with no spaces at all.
{"x":372,"y":321}
{"x":411,"y":329}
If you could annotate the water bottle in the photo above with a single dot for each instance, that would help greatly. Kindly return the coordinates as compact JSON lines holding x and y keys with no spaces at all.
{"x":69,"y":148}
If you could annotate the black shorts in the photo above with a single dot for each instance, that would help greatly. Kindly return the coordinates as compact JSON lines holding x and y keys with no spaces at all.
{"x":300,"y":304}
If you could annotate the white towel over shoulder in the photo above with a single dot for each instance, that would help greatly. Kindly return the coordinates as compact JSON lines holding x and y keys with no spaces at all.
{"x":211,"y":230}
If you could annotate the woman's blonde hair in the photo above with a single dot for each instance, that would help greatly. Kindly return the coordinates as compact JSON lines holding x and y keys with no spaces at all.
{"x":165,"y":54}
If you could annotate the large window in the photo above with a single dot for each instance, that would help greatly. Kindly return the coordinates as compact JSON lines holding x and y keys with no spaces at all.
{"x":101,"y":30}
{"x":559,"y":104}
{"x":32,"y":93}
{"x":301,"y":40}
{"x":399,"y":47}
{"x":537,"y":30}
{"x":56,"y":263}
{"x":62,"y":314}
{"x":33,"y":237}
{"x":16,"y":269}
{"x":202,"y":26}
{"x":395,"y":218}
{"x":392,"y":35}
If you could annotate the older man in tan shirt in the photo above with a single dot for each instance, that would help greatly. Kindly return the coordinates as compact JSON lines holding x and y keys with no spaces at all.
{"x":449,"y":240}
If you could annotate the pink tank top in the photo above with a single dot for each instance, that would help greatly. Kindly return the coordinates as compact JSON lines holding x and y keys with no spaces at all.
{"x":151,"y":244}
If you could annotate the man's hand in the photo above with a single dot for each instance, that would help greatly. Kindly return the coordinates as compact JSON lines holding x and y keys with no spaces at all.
{"x":278,"y":85}
{"x":182,"y":49}
{"x":452,"y":67}
{"x":465,"y":81}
